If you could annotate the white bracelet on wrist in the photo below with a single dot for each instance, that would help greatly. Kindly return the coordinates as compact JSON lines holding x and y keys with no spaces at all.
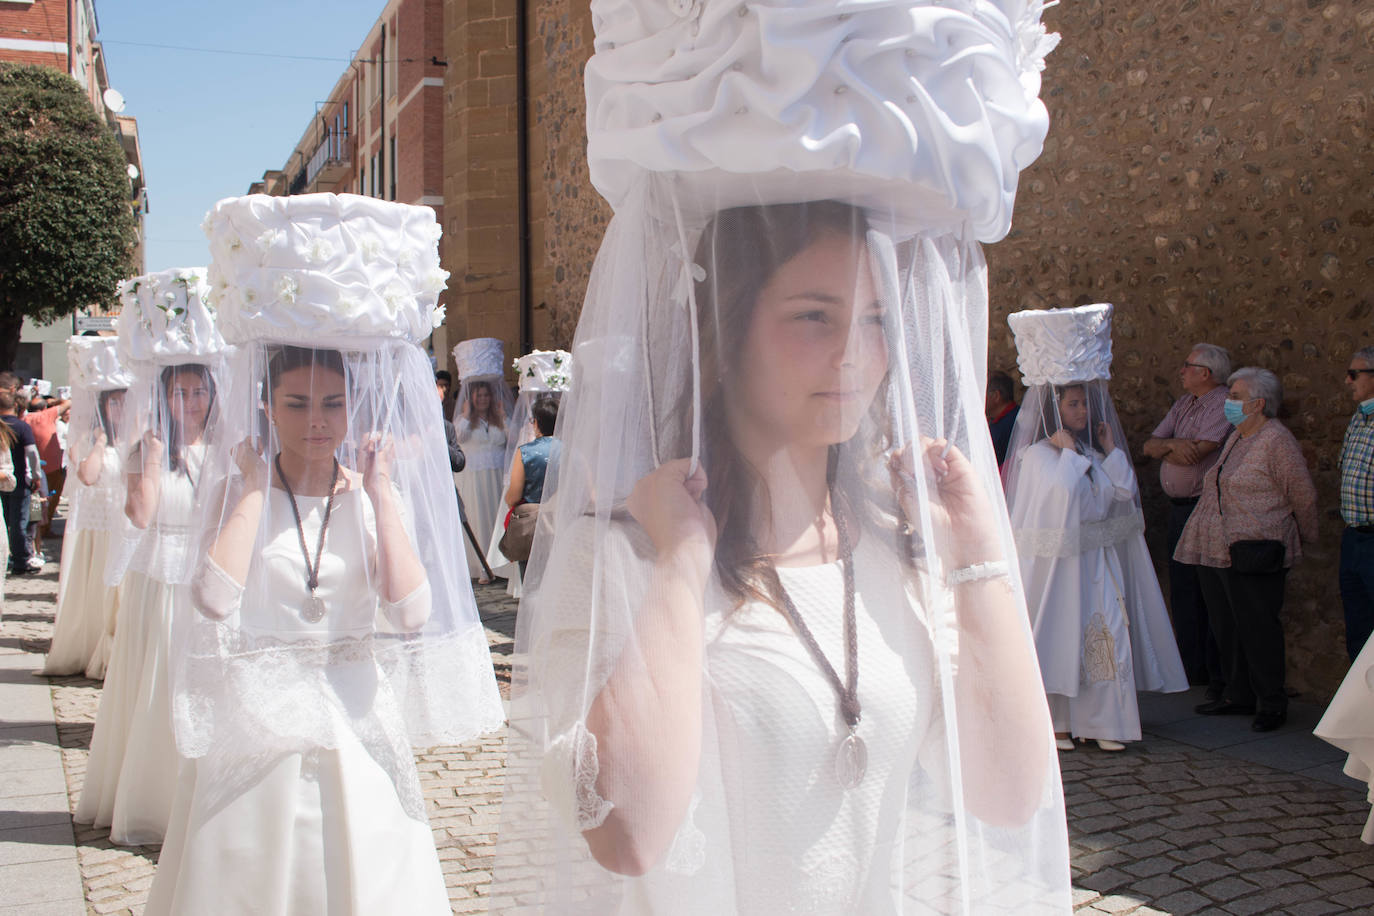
{"x":994,"y":569}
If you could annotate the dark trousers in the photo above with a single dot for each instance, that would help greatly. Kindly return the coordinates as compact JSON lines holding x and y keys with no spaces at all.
{"x":16,"y":506}
{"x":1188,"y":608}
{"x":1357,"y":588}
{"x":1244,"y":610}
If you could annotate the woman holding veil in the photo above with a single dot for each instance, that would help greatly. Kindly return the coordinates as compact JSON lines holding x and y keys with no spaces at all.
{"x":333,"y":623}
{"x":771,"y":657}
{"x":1101,"y":629}
{"x":168,"y":338}
{"x":86,"y":605}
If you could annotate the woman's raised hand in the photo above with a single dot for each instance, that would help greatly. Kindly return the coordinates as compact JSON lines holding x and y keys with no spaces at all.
{"x":1062,"y":439}
{"x":1105,"y":438}
{"x":251,"y":465}
{"x":376,"y":457}
{"x":668,"y":503}
{"x":965,"y":526}
{"x":150,"y":448}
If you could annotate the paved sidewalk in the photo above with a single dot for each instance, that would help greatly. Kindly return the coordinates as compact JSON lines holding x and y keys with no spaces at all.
{"x":1203,"y":816}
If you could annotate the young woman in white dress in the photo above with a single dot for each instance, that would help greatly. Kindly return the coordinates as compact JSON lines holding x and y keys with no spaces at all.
{"x":333,"y":625}
{"x":132,"y":769}
{"x":322,"y":829}
{"x":482,"y":433}
{"x":86,"y":605}
{"x":738,"y":680}
{"x":1102,"y":632}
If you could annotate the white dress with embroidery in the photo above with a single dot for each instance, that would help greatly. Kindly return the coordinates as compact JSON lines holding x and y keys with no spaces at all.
{"x":133,"y":766}
{"x":86,"y":606}
{"x":480,"y":482}
{"x":770,"y":829}
{"x":337,"y":829}
{"x":1101,"y":628}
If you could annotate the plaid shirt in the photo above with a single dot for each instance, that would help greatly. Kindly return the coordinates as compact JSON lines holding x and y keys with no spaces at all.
{"x":1357,"y":471}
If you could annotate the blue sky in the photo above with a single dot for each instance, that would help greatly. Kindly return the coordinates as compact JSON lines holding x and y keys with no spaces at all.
{"x":210,"y":124}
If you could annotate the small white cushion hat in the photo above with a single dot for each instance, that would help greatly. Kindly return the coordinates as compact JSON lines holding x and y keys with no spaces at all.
{"x":1058,"y":346}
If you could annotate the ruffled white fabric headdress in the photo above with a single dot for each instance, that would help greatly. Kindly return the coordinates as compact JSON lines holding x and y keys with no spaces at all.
{"x":324,"y":269}
{"x":166,"y":319}
{"x":479,"y":357}
{"x":544,"y":370}
{"x":1058,"y":346}
{"x":93,"y":363}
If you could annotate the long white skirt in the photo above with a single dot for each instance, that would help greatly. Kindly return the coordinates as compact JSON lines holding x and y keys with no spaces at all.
{"x":132,"y":770}
{"x":1349,"y":724}
{"x":319,"y":833}
{"x":100,"y":658}
{"x":84,"y":604}
{"x":481,"y":492}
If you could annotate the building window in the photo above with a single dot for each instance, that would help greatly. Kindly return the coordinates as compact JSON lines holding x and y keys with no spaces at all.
{"x":362,"y":180}
{"x":394,"y":168}
{"x":345,"y":115}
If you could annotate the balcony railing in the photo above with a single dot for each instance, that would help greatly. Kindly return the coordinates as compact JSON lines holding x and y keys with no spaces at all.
{"x":331,"y":156}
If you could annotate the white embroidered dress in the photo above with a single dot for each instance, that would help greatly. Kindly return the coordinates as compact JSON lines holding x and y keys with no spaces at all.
{"x":480,"y":482}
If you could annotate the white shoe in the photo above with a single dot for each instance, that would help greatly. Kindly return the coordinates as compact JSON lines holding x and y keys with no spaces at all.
{"x":35,"y":563}
{"x":1064,"y":744}
{"x":1106,"y":744}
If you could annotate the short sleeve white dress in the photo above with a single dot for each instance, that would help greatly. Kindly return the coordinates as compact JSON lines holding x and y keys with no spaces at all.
{"x":354,"y":806}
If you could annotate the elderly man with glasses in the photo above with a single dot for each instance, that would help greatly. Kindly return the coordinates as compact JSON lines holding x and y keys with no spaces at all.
{"x":1187,"y":443}
{"x":1357,"y":505}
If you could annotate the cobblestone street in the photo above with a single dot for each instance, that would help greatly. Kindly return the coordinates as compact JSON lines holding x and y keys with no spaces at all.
{"x":1201,"y":817}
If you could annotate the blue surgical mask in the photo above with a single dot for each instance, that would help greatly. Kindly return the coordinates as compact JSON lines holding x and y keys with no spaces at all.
{"x":1367,"y":406}
{"x":1235,"y":411}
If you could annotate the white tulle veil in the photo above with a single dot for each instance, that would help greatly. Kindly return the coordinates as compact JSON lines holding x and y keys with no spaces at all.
{"x":869,"y":145}
{"x":333,"y":292}
{"x":99,"y":387}
{"x":169,"y":341}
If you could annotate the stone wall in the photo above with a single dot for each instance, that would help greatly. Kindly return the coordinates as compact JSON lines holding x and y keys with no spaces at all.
{"x":1208,"y":171}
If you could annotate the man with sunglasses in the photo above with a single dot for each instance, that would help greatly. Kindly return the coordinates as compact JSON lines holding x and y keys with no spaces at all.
{"x":1357,"y":505}
{"x":1187,"y":442}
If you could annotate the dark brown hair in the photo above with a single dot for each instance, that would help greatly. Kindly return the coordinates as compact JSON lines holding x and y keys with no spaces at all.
{"x":285,"y":358}
{"x":742,"y":249}
{"x":164,"y":391}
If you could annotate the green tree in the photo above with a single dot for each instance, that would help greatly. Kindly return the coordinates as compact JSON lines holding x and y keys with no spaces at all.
{"x":67,"y":229}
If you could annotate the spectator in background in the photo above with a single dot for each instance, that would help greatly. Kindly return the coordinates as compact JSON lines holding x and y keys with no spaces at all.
{"x":1001,"y":409}
{"x":1258,"y":506}
{"x":43,"y":421}
{"x":443,"y":381}
{"x":24,"y":454}
{"x":1357,"y":505}
{"x":1187,"y":442}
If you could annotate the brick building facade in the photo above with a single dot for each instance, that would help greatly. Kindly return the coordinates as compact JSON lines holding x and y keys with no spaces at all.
{"x":1207,"y":170}
{"x":381,"y":130}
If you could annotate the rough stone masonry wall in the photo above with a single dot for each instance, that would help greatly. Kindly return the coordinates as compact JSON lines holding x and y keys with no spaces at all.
{"x":1210,"y":171}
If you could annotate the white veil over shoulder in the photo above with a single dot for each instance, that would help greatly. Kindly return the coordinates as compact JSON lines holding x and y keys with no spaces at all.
{"x":789,"y":309}
{"x":1095,"y":601}
{"x":169,"y":341}
{"x":350,"y":620}
{"x":99,"y":385}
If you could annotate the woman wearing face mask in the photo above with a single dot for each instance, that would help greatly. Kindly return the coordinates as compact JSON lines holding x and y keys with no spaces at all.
{"x":168,"y":338}
{"x":1101,"y":629}
{"x":1258,"y":508}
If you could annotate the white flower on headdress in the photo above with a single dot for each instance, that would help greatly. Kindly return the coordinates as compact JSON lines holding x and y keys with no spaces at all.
{"x":1033,"y":41}
{"x":346,"y":306}
{"x":435,"y":281}
{"x":271,"y":238}
{"x":396,"y":297}
{"x":405,"y":257}
{"x":250,"y":295}
{"x":321,"y":249}
{"x":440,"y":313}
{"x":235,"y":243}
{"x":371,"y":247}
{"x":435,"y":231}
{"x":287,"y":288}
{"x":207,"y":224}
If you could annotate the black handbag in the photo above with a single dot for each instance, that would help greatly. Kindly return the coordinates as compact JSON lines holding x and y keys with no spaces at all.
{"x":1257,"y":558}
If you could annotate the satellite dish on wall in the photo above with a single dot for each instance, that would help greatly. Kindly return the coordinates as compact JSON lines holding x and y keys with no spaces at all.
{"x":114,"y":100}
{"x":132,"y":172}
